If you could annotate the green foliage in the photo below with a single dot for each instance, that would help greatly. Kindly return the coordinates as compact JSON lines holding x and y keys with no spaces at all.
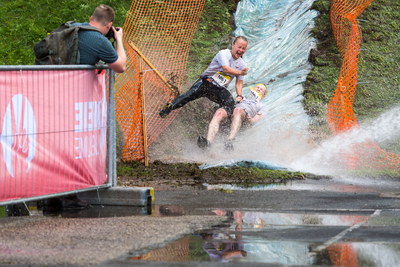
{"x":23,"y":23}
{"x":379,"y":62}
{"x":212,"y":34}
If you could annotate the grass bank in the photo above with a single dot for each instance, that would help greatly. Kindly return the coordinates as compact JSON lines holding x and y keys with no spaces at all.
{"x":378,"y":87}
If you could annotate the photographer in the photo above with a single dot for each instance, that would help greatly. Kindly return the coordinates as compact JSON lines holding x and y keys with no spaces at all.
{"x":94,"y":46}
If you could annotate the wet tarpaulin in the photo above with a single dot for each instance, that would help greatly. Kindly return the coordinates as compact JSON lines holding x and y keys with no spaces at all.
{"x":261,"y":164}
{"x":279,"y":35}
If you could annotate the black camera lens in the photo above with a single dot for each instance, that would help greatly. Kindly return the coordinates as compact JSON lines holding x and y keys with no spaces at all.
{"x":110,"y":34}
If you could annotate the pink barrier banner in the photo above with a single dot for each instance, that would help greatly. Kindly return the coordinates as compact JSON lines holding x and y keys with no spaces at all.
{"x":52,"y":132}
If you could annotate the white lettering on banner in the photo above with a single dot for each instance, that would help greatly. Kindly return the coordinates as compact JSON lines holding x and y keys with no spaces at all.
{"x":79,"y":117}
{"x":87,"y":146}
{"x":18,"y":135}
{"x":90,"y":117}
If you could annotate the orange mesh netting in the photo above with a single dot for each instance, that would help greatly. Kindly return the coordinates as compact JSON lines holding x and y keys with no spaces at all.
{"x":340,"y":113}
{"x":343,"y":255}
{"x":162,"y":32}
{"x":177,"y":251}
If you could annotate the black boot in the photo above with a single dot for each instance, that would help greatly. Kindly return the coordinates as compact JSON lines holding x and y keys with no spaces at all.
{"x":203,"y":143}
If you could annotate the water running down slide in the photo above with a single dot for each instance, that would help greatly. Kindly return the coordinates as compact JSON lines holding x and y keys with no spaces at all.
{"x":277,"y":55}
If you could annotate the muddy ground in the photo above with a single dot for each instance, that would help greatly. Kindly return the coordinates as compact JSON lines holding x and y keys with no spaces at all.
{"x":161,"y":175}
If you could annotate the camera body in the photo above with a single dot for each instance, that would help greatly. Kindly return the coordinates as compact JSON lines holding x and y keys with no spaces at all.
{"x":110,"y":34}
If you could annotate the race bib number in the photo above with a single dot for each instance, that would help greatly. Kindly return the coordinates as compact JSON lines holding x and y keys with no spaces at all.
{"x":221,"y":79}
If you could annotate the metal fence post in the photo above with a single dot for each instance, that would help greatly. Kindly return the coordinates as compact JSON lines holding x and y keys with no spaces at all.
{"x":112,"y":154}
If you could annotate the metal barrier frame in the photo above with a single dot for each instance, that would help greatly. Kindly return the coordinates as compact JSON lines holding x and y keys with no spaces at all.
{"x":111,"y":133}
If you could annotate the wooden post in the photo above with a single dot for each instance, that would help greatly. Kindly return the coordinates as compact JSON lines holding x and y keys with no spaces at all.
{"x":146,"y":155}
{"x":174,"y":90}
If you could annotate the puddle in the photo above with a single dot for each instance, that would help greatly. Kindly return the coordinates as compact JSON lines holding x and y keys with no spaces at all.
{"x":313,"y":185}
{"x":95,"y":211}
{"x":20,"y":210}
{"x":100,"y":211}
{"x":280,"y":238}
{"x":228,"y":248}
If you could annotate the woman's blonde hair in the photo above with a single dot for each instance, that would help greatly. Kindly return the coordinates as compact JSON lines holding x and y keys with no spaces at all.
{"x":240,"y":37}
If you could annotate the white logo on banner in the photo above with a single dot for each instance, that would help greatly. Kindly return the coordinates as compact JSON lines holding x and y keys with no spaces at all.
{"x":18,"y":136}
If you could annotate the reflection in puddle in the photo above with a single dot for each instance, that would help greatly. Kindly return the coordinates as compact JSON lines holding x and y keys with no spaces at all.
{"x":95,"y":211}
{"x":224,"y":247}
{"x":100,"y":211}
{"x":297,"y":185}
{"x":31,"y":208}
{"x":243,"y":186}
{"x":251,"y":237}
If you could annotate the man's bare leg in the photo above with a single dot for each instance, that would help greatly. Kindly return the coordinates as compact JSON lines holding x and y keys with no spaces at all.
{"x":237,"y":118}
{"x":213,"y":128}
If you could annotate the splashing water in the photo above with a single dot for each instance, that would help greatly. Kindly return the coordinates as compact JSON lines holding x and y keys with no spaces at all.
{"x":327,"y":158}
{"x":279,"y":38}
{"x":277,"y":55}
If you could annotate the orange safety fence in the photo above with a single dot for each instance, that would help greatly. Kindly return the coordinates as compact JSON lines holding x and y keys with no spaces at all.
{"x":173,"y":252}
{"x":157,"y":38}
{"x":340,"y":115}
{"x":343,"y":254}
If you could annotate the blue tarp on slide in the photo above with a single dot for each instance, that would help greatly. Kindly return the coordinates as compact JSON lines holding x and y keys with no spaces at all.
{"x":277,"y":55}
{"x":279,"y":35}
{"x":261,"y":164}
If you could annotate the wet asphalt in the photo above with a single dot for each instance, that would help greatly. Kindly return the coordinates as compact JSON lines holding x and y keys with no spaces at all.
{"x":112,"y":236}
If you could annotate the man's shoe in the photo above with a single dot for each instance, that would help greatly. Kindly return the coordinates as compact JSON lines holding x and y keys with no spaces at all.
{"x":229,"y":145}
{"x":203,"y":143}
{"x":73,"y":202}
{"x":166,"y":109}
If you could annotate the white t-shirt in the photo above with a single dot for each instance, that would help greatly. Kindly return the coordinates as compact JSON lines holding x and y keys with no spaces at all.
{"x":224,"y":58}
{"x":253,"y":107}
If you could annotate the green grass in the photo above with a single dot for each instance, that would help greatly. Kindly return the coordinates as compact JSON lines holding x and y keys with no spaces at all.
{"x":379,"y":72}
{"x":379,"y":63}
{"x":183,"y":171}
{"x":23,"y":23}
{"x":212,"y":34}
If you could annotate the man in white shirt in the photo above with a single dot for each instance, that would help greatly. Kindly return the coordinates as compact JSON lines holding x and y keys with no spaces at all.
{"x":214,"y":81}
